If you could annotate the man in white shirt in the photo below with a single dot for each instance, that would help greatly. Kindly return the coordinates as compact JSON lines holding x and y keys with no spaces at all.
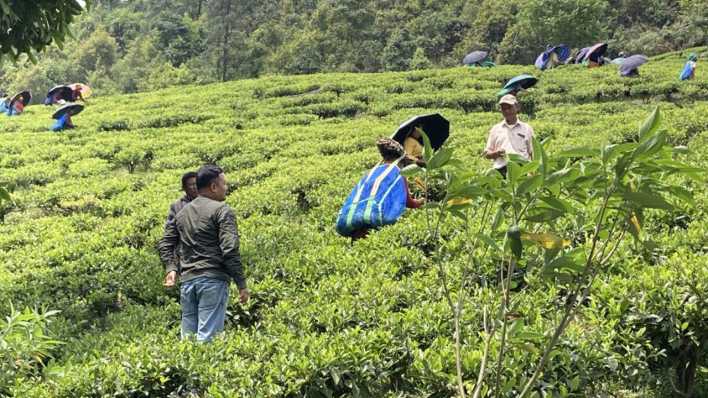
{"x":509,"y":136}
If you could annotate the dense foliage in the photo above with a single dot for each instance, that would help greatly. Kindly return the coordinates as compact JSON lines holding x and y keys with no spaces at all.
{"x":29,"y":26}
{"x":142,"y":45}
{"x":331,"y":318}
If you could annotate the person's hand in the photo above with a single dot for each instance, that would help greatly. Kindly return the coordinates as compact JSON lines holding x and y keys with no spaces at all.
{"x":170,"y":279}
{"x":244,"y":295}
{"x":499,"y":154}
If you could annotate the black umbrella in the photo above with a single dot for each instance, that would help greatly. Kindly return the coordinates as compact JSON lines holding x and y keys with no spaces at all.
{"x":71,"y":109}
{"x":629,"y":65}
{"x":24,"y":96}
{"x":436,"y":127}
{"x":58,"y":93}
{"x":595,"y":52}
{"x":474,"y":57}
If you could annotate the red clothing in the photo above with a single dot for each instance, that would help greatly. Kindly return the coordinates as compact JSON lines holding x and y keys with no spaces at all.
{"x":410,"y":202}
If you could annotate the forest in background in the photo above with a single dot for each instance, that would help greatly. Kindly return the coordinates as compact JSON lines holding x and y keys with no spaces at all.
{"x":140,"y":45}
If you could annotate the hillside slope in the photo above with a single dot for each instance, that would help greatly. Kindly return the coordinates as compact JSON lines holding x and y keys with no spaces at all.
{"x":326,"y":317}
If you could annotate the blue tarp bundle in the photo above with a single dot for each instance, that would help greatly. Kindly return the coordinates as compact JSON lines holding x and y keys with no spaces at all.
{"x":8,"y":110}
{"x":378,"y":199}
{"x":61,"y":123}
{"x":687,"y":70}
{"x":561,"y":51}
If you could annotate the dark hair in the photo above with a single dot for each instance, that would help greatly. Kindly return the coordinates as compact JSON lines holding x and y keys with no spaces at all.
{"x":186,"y":176}
{"x":206,"y":174}
{"x":389,"y":149}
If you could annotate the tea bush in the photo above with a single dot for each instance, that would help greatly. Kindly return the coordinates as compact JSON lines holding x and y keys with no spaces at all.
{"x":329,"y":317}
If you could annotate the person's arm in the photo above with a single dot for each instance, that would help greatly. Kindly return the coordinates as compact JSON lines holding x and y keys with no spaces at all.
{"x":229,"y":244}
{"x":166,"y":247}
{"x":411,"y":203}
{"x":490,"y":152}
{"x":529,"y":142}
{"x":170,"y":214}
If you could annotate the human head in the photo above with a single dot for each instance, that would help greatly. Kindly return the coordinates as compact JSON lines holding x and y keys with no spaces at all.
{"x":389,"y":149}
{"x":189,"y":184}
{"x":692,"y":57}
{"x":415,"y":132}
{"x":509,"y":108}
{"x":211,"y":182}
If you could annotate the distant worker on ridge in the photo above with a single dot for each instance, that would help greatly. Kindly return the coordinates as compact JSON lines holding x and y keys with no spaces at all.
{"x":689,"y":69}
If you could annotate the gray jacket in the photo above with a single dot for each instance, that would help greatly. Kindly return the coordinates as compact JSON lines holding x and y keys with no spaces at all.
{"x":207,"y":236}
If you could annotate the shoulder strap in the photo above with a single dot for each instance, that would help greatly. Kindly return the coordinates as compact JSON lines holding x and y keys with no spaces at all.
{"x":377,"y":184}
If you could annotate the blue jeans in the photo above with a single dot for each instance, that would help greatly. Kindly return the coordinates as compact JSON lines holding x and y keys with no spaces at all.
{"x":203,"y":302}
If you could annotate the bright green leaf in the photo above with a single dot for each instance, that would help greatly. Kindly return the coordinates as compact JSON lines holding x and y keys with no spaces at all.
{"x":439,"y":159}
{"x":650,"y":125}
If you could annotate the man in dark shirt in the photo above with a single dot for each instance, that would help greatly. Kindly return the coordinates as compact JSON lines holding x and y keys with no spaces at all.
{"x":189,"y":186}
{"x":205,"y":231}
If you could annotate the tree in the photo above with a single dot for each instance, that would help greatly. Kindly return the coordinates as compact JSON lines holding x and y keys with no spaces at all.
{"x":180,"y":38}
{"x":137,"y":63}
{"x":419,"y":60}
{"x":398,"y":51}
{"x":489,"y":25}
{"x":27,"y":26}
{"x":98,"y":52}
{"x":230,"y":25}
{"x":577,"y":23}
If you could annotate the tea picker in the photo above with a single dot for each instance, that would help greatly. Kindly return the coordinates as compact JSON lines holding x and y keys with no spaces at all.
{"x":594,"y":56}
{"x":630,"y":65}
{"x":517,"y":84}
{"x":381,"y":196}
{"x":67,"y":93}
{"x":409,"y":135}
{"x":689,"y":69}
{"x":552,"y":57}
{"x":63,"y":116}
{"x":16,"y":104}
{"x":58,"y":94}
{"x":478,"y":59}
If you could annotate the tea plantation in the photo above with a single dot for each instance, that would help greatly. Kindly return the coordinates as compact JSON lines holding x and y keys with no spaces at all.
{"x":85,"y":313}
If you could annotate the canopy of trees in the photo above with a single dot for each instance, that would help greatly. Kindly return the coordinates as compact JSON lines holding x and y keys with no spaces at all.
{"x":128,"y":46}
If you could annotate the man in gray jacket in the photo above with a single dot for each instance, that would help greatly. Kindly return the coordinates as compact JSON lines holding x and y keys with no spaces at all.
{"x":205,"y":231}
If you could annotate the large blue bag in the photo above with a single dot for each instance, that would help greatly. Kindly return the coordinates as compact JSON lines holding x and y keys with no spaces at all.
{"x":378,"y":199}
{"x":61,"y":123}
{"x":686,"y":71}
